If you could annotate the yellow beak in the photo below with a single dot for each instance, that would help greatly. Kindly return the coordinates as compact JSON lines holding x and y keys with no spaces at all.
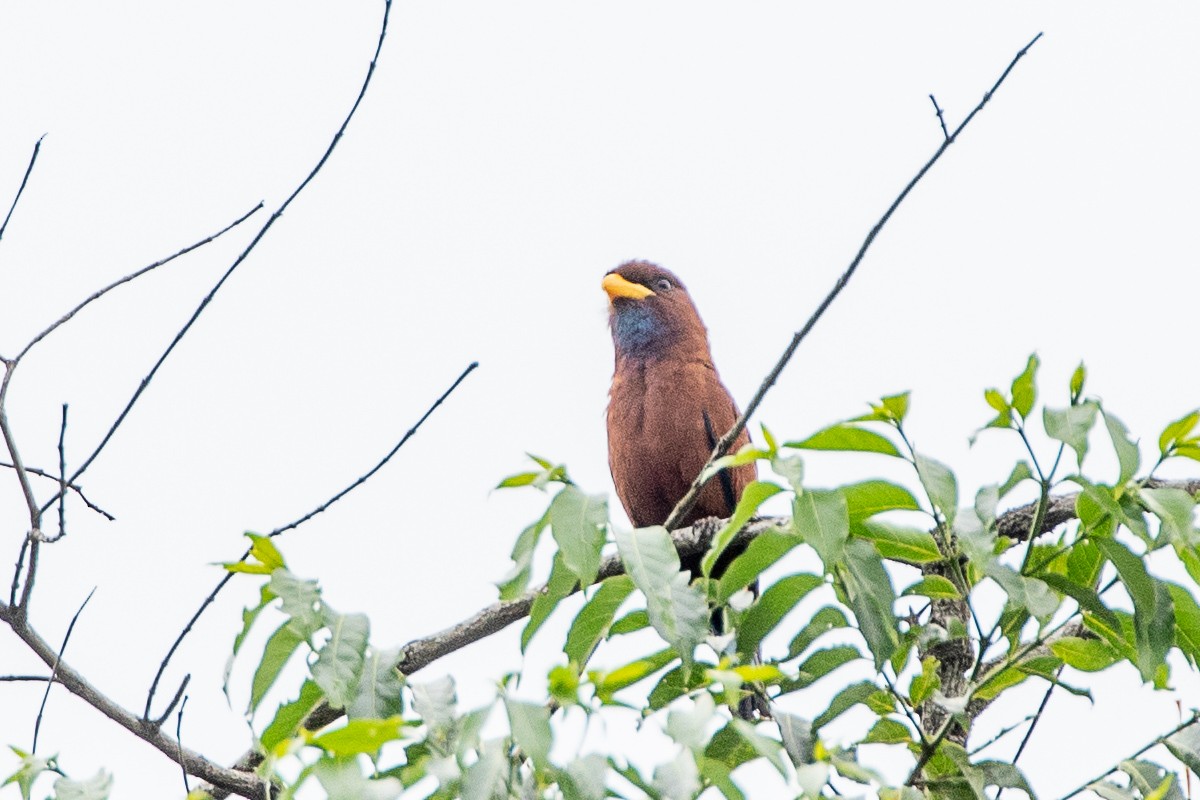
{"x":616,"y":286}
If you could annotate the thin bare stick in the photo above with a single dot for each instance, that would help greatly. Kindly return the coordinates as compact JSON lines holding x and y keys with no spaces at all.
{"x":940,"y":116}
{"x":291,"y":525}
{"x":21,"y":190}
{"x":35,"y":514}
{"x":76,"y":488}
{"x":725,"y":442}
{"x":37,"y":724}
{"x":62,"y":476}
{"x":22,"y":678}
{"x":96,"y":295}
{"x":175,"y":701}
{"x":187,"y":790}
{"x":187,"y":326}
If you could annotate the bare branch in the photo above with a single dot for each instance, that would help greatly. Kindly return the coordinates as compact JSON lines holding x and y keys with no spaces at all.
{"x":258,"y":237}
{"x":37,"y":724}
{"x":940,"y":116}
{"x":685,"y":505}
{"x":231,"y":781}
{"x":96,"y":295}
{"x":78,"y":490}
{"x":21,"y":190}
{"x":1017,"y":523}
{"x":62,"y":476}
{"x":291,"y":525}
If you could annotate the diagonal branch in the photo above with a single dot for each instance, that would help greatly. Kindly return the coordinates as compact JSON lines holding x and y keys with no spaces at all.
{"x":725,"y":442}
{"x":21,"y":190}
{"x":229,"y":575}
{"x":258,"y":237}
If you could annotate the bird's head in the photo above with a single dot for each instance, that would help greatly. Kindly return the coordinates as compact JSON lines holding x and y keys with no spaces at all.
{"x":650,"y":312}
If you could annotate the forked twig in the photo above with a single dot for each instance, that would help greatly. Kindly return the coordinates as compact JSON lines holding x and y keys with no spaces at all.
{"x":725,"y":442}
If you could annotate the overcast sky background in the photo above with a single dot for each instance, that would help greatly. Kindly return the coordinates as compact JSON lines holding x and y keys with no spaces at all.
{"x":506,"y":156}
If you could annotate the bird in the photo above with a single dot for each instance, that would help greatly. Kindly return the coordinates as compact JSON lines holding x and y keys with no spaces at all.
{"x":667,"y":406}
{"x":666,"y":409}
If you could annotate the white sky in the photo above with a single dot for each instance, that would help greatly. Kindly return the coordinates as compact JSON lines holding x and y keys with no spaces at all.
{"x":506,"y":156}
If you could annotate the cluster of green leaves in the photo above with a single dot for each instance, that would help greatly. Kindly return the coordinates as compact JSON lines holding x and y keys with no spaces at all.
{"x":1077,"y":596}
{"x":30,"y":767}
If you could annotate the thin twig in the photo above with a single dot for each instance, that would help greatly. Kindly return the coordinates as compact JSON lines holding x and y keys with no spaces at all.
{"x":187,"y":790}
{"x":300,"y":521}
{"x":96,"y":295}
{"x":187,"y":326}
{"x":78,"y":490}
{"x":685,"y":504}
{"x":174,"y":701}
{"x":940,"y":116}
{"x":1154,"y":743}
{"x":62,"y":476}
{"x":21,"y":678}
{"x":21,"y":190}
{"x":37,"y":724}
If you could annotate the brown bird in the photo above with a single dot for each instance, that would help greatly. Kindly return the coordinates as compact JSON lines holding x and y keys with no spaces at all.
{"x":667,"y":406}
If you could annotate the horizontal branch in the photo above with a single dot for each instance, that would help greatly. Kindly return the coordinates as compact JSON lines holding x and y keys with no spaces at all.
{"x":1015,"y":524}
{"x":691,"y":542}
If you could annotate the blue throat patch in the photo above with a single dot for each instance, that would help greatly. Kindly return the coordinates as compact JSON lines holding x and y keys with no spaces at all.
{"x":637,"y":330}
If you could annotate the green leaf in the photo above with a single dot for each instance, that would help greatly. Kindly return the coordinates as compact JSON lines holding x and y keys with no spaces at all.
{"x":249,"y":617}
{"x":797,"y":735}
{"x":436,"y":702}
{"x":674,"y":683}
{"x":896,"y":406}
{"x":1176,"y":508}
{"x":770,"y":609}
{"x":1071,"y":425}
{"x":677,"y":610}
{"x":1125,"y":448}
{"x":96,"y":787}
{"x":940,"y":485}
{"x":1153,"y":611}
{"x":1185,"y":745}
{"x":608,"y":683}
{"x":843,"y":701}
{"x":530,"y":726}
{"x":594,"y":620}
{"x":818,"y":665}
{"x":339,"y":663}
{"x":290,"y":716}
{"x":276,"y":653}
{"x":822,"y":519}
{"x":845,"y":437}
{"x":688,"y":726}
{"x":379,"y":689}
{"x":485,"y":779}
{"x":1089,"y":601}
{"x":763,"y":747}
{"x":1024,"y":388}
{"x":909,"y":545}
{"x":871,"y":597}
{"x":1178,"y":432}
{"x":825,"y":620}
{"x":763,"y":551}
{"x":922,"y":686}
{"x":578,"y":521}
{"x":514,"y":584}
{"x":1187,"y":622}
{"x":679,"y":778}
{"x":559,"y":586}
{"x":633,"y":621}
{"x":1086,"y":655}
{"x":934,"y":587}
{"x":301,"y":600}
{"x":868,"y":498}
{"x":586,"y":777}
{"x":359,"y":736}
{"x":1078,"y":377}
{"x":754,"y":495}
{"x":888,"y":730}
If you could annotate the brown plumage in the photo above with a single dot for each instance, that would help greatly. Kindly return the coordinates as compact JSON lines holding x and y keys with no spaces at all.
{"x":667,"y":405}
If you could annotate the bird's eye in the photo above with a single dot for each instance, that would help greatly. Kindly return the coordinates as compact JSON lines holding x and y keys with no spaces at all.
{"x":662,"y":285}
